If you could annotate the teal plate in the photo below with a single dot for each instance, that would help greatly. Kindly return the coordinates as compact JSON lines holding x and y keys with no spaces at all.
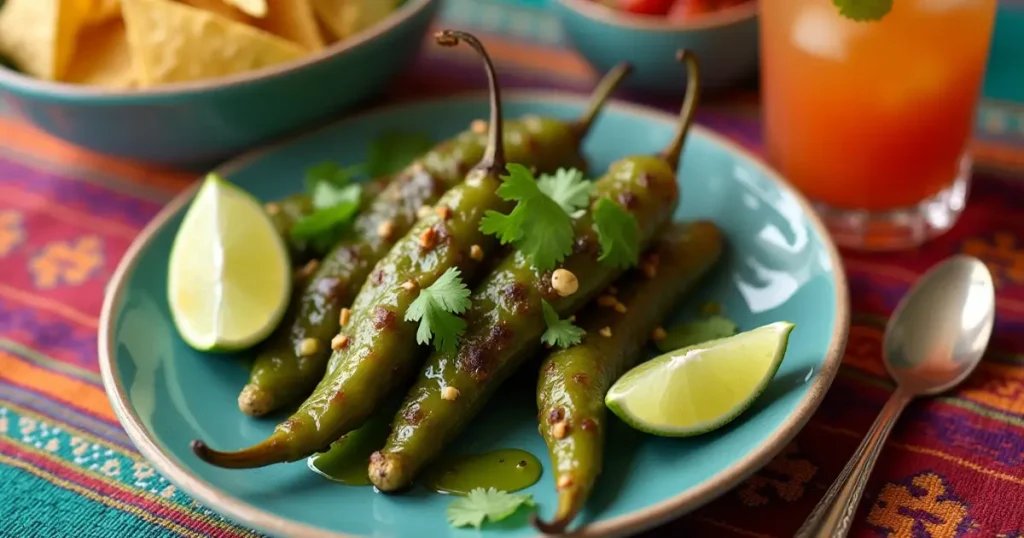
{"x":780,"y":265}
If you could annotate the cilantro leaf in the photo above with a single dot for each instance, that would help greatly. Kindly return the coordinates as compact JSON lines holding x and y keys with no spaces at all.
{"x":322,"y":227}
{"x":560,"y":332}
{"x":863,"y":10}
{"x":567,"y":188}
{"x":538,"y":225}
{"x":490,"y":504}
{"x":326,"y":195}
{"x":618,"y":233}
{"x":331,"y":173}
{"x":697,"y":332}
{"x":394,"y":150}
{"x":437,"y":308}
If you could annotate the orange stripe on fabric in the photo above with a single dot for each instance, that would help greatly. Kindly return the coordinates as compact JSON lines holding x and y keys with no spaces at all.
{"x":46,"y":206}
{"x":73,"y":392}
{"x":54,"y":307}
{"x":929,"y":452}
{"x":999,"y":386}
{"x":23,"y":137}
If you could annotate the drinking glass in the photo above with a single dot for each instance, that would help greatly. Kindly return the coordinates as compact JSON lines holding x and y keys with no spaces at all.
{"x":872,"y":119}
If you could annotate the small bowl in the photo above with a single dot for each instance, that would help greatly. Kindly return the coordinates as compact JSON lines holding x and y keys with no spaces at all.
{"x":725,"y":42}
{"x":198,"y":124}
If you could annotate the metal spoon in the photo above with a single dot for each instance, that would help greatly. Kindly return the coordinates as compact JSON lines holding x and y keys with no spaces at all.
{"x":933,"y":341}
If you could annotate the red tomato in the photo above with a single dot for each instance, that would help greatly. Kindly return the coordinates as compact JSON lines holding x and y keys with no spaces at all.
{"x":646,"y":7}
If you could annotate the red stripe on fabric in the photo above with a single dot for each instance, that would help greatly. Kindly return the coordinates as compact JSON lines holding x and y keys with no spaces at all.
{"x":171,"y":511}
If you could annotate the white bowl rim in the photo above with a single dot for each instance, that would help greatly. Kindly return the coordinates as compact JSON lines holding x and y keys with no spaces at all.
{"x":637,"y":521}
{"x":607,"y":15}
{"x":10,"y":79}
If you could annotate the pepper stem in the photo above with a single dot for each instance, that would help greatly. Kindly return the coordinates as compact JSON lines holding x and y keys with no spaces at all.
{"x":266,"y":453}
{"x":493,"y":161}
{"x":605,"y":87}
{"x":674,"y":150}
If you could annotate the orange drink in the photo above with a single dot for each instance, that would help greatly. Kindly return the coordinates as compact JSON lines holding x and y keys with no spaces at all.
{"x":871,"y":119}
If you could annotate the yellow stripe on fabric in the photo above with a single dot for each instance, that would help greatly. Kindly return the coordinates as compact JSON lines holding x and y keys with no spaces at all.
{"x":93,"y":496}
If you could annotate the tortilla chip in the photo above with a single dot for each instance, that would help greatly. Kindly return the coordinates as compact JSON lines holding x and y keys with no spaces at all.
{"x":102,"y":58}
{"x":342,"y":18}
{"x":39,"y":35}
{"x":222,"y":9}
{"x":101,"y":11}
{"x":293,"y":20}
{"x":173,"y":42}
{"x":253,"y":8}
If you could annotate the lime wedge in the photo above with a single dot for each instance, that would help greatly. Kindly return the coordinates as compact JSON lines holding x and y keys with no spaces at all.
{"x":229,"y":275}
{"x":699,"y":388}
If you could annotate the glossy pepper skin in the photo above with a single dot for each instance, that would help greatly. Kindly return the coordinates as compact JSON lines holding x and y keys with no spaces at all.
{"x":286,"y":212}
{"x":505,"y":321}
{"x":382,"y":354}
{"x":281,"y":375}
{"x":573,"y":381}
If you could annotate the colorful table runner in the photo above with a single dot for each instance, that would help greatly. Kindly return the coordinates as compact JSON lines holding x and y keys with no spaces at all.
{"x":953,"y":467}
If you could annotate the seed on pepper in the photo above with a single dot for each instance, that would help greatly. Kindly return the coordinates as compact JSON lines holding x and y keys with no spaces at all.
{"x":386,"y":229}
{"x":564,"y":282}
{"x":339,"y":342}
{"x":309,"y":346}
{"x":476,"y":252}
{"x":346,"y":315}
{"x":449,"y":393}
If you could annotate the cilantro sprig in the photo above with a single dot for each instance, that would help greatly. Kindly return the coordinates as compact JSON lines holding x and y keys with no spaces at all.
{"x":618,"y":233}
{"x":540,"y":225}
{"x":437,"y":309}
{"x":490,"y":504}
{"x":335,"y":193}
{"x":864,"y":10}
{"x":567,"y":188}
{"x":560,"y":332}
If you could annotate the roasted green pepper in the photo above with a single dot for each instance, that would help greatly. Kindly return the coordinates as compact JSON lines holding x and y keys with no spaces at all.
{"x":505,"y":321}
{"x":573,"y":381}
{"x":377,"y":352}
{"x":282,"y":374}
{"x":286,"y":212}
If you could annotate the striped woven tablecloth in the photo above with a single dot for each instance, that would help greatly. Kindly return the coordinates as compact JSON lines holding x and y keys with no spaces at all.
{"x":953,"y":467}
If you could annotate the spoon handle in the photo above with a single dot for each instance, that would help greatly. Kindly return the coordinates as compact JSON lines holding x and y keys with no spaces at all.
{"x":833,"y":515}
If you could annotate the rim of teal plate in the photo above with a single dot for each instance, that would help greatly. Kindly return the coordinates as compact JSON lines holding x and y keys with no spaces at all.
{"x":637,"y":521}
{"x":614,"y":17}
{"x":13,"y":79}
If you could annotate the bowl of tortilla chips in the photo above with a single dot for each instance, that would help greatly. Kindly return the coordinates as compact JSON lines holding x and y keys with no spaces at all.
{"x":187,"y":83}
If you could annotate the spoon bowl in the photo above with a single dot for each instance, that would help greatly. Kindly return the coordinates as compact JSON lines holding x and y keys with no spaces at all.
{"x":940,"y":329}
{"x":933,"y":341}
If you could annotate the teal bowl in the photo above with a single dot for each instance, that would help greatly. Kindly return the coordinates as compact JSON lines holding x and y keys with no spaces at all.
{"x":195,"y":125}
{"x":725,"y":42}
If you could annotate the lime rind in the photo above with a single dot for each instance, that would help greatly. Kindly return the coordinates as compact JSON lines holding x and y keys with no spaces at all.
{"x":657,"y":377}
{"x":222,"y":225}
